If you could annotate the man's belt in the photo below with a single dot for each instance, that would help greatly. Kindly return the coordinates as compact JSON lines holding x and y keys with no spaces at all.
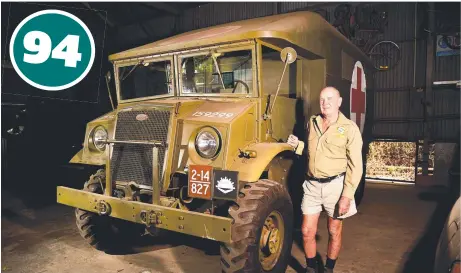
{"x":326,"y":179}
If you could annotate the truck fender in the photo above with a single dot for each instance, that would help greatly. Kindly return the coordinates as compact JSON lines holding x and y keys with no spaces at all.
{"x":265,"y":154}
{"x":78,"y":158}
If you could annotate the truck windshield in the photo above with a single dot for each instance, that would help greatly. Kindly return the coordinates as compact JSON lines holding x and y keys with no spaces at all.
{"x":145,"y":79}
{"x":222,"y":73}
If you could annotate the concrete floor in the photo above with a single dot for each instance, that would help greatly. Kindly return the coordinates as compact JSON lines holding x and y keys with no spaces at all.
{"x":394,"y":231}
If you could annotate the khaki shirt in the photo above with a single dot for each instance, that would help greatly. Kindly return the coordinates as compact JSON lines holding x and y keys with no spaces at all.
{"x":337,"y":150}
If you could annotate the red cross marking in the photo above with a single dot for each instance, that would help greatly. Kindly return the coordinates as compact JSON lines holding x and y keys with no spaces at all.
{"x":358,"y":98}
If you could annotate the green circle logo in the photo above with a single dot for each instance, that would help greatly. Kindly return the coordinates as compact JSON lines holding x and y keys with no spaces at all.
{"x":52,"y":50}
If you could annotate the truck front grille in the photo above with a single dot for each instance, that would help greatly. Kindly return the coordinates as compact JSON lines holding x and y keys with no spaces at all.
{"x":133,"y":162}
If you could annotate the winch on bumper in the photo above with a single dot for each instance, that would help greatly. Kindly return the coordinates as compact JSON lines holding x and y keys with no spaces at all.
{"x":198,"y":224}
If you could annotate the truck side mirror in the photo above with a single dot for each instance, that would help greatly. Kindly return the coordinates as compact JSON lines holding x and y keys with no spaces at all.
{"x":288,"y":55}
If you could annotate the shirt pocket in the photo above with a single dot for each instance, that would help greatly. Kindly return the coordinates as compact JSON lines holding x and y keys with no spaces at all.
{"x":336,"y":146}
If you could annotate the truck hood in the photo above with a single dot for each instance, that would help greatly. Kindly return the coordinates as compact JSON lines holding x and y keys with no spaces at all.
{"x":198,"y":110}
{"x":218,"y":111}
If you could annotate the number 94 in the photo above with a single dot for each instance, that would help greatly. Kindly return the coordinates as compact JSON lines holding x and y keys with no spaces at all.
{"x":40,"y":43}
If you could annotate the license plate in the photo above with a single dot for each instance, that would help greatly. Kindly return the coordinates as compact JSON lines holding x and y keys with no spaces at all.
{"x":200,"y":181}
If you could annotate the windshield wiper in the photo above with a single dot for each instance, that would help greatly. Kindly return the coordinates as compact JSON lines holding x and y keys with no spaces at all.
{"x":217,"y":68}
{"x":132,"y":69}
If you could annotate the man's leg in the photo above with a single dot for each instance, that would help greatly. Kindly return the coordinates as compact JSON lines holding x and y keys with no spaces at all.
{"x":309,"y":230}
{"x":335,"y":228}
{"x":332,"y":193}
{"x":311,"y":207}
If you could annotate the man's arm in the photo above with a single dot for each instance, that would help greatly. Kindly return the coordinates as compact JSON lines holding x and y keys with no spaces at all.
{"x":299,"y":150}
{"x":354,"y":162}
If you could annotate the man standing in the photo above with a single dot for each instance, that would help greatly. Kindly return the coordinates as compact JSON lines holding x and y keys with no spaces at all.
{"x":334,"y":171}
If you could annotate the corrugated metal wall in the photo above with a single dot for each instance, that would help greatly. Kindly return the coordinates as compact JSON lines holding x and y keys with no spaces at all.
{"x":401,"y":21}
{"x":404,"y":74}
{"x":294,"y":6}
{"x":388,"y":105}
{"x":447,"y":68}
{"x":325,"y":9}
{"x":392,"y":120}
{"x":401,"y":131}
{"x":445,"y":125}
{"x":398,"y":108}
{"x":221,"y":13}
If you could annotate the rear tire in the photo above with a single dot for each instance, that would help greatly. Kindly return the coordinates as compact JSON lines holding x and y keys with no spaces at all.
{"x":102,"y":232}
{"x":258,"y":202}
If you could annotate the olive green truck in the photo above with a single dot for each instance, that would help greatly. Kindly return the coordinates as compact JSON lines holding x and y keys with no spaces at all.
{"x":197,"y":141}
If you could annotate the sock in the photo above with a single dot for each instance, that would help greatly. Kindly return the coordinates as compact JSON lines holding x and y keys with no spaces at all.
{"x":311,"y":262}
{"x":330,"y":263}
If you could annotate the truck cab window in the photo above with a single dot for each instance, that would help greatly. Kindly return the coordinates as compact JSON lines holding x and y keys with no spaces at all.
{"x":145,"y":79}
{"x":218,"y":72}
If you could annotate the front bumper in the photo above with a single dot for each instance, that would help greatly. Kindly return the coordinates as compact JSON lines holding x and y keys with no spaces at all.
{"x":197,"y":224}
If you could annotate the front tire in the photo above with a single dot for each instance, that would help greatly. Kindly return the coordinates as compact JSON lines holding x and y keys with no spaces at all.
{"x":261,"y":230}
{"x":102,"y":232}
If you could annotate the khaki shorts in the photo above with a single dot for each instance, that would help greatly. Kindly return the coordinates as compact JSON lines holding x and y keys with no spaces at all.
{"x":318,"y":196}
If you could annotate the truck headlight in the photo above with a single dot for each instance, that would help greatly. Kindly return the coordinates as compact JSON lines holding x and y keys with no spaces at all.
{"x":207,"y":143}
{"x":98,"y":138}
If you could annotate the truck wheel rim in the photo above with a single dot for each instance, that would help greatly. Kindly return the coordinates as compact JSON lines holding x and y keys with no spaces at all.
{"x":271,"y":240}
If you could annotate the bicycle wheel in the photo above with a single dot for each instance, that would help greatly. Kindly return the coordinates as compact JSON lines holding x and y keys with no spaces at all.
{"x":385,"y":55}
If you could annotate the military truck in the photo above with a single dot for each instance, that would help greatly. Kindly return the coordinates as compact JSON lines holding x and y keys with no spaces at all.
{"x":197,"y":141}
